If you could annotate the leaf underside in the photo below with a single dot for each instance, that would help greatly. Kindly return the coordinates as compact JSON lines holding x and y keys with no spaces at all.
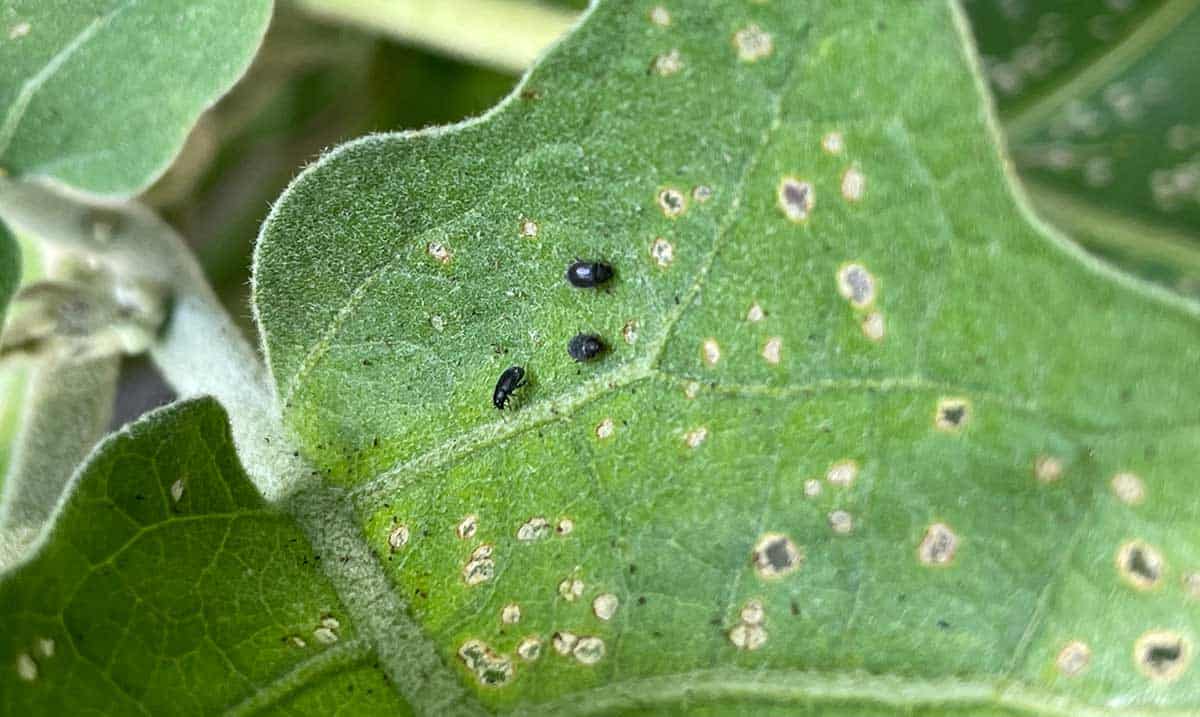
{"x":99,"y":95}
{"x":895,"y":451}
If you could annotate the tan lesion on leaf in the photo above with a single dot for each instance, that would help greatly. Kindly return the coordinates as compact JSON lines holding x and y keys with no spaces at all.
{"x":1140,"y":564}
{"x":672,"y":202}
{"x":710,"y":351}
{"x":842,"y":473}
{"x":667,"y":63}
{"x":662,"y":252}
{"x":480,"y":567}
{"x":938,"y":546}
{"x":660,"y":16}
{"x":856,"y":285}
{"x":1162,"y":655}
{"x":795,"y":198}
{"x":772,"y":351}
{"x":753,"y":43}
{"x":490,"y":668}
{"x":467,"y":527}
{"x":1128,"y":488}
{"x":1073,"y":658}
{"x":749,"y":633}
{"x":1047,"y":468}
{"x":854,"y":184}
{"x":874,"y":327}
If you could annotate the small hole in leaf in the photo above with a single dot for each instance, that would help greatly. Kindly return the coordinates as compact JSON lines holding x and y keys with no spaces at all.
{"x":1162,"y":655}
{"x":672,"y":202}
{"x":952,"y":414}
{"x":796,"y":198}
{"x":775,"y":555}
{"x":1140,"y":564}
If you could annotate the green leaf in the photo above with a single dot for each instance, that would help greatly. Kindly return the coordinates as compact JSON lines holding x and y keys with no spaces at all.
{"x":902,"y":449}
{"x":1102,"y":124}
{"x":168,"y":586}
{"x":100,"y":95}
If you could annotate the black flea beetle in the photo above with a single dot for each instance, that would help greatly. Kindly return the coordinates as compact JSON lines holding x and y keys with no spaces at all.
{"x":585,"y":347}
{"x":586,"y":274}
{"x":512,"y":379}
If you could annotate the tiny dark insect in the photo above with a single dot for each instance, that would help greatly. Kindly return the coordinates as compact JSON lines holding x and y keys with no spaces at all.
{"x":512,"y":379}
{"x":585,"y":347}
{"x":586,"y":274}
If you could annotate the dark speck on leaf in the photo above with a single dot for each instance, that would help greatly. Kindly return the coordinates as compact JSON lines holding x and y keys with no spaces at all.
{"x":642,"y":600}
{"x":943,"y":624}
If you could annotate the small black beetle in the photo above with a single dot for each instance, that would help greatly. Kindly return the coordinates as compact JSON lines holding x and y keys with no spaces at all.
{"x":586,"y":274}
{"x":585,"y":347}
{"x":512,"y":379}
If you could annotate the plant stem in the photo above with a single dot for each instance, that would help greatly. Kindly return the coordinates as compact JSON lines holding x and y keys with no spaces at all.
{"x":507,"y":35}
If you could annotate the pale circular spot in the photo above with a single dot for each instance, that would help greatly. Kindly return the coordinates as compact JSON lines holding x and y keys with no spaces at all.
{"x":833,"y":143}
{"x":27,"y":669}
{"x":565,"y":526}
{"x":439,"y":252}
{"x":775,"y":555}
{"x":691,"y":389}
{"x":753,"y":613}
{"x":660,"y":16}
{"x":604,"y":606}
{"x":629,"y":332}
{"x":177,"y":491}
{"x":748,"y":637}
{"x":672,"y":202}
{"x":529,"y":228}
{"x":667,"y":64}
{"x":535,"y":528}
{"x":44,"y":646}
{"x":1047,"y":468}
{"x":795,"y":198}
{"x":854,"y":183}
{"x":752,"y":43}
{"x":842,"y":473}
{"x":702,"y":193}
{"x":1128,"y":488}
{"x":952,"y":414}
{"x":21,"y":29}
{"x":938,"y":546}
{"x":570,"y":589}
{"x":510,"y":614}
{"x":605,"y":428}
{"x":856,"y":285}
{"x":325,"y":636}
{"x":841,"y":522}
{"x":873,"y":326}
{"x":812,"y":487}
{"x":1162,"y":655}
{"x":480,"y":568}
{"x":530,"y":648}
{"x":1073,"y":658}
{"x":695,"y":437}
{"x":663,"y":252}
{"x":398,"y":538}
{"x":755,"y":313}
{"x":467,"y":527}
{"x":710,"y":351}
{"x":331,"y":622}
{"x":564,"y":642}
{"x":589,"y":650}
{"x":772,"y":350}
{"x":1140,"y":564}
{"x":490,"y":669}
{"x":438,"y":323}
{"x":299,"y":641}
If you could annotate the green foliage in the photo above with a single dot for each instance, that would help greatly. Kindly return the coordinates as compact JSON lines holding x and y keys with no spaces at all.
{"x":1101,"y":119}
{"x":922,"y":354}
{"x":167,"y":586}
{"x":100,"y":94}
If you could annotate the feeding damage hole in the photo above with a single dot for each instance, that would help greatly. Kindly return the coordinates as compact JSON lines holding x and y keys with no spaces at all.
{"x":796,"y":198}
{"x":710,"y":351}
{"x":833,"y":143}
{"x":672,"y":202}
{"x":480,"y":568}
{"x":772,"y":350}
{"x":663,"y":252}
{"x":529,"y":228}
{"x":841,"y":522}
{"x":660,"y":16}
{"x":873,"y":327}
{"x":938,"y":546}
{"x":854,"y":183}
{"x":695,"y":437}
{"x":775,"y":555}
{"x":667,"y":64}
{"x":1162,"y":655}
{"x":605,"y":428}
{"x":490,"y":669}
{"x":605,"y":606}
{"x":1073,"y":658}
{"x":1128,"y":488}
{"x":856,"y":285}
{"x":510,"y":614}
{"x":535,"y":528}
{"x":467,"y":527}
{"x":398,"y":538}
{"x":1047,"y":469}
{"x":842,"y":473}
{"x":753,"y":43}
{"x":530,"y":648}
{"x":439,"y":252}
{"x":1140,"y":564}
{"x":952,"y":414}
{"x":749,"y":633}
